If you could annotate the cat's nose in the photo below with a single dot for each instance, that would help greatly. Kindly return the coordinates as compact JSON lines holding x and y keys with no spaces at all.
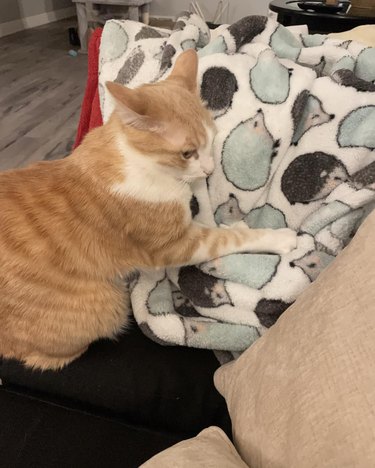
{"x":208,"y":167}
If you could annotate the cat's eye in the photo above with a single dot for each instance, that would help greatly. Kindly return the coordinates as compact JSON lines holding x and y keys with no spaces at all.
{"x":311,"y":265}
{"x":188,"y":154}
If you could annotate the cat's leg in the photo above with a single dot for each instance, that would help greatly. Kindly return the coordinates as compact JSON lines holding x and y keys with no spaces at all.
{"x":43,"y":361}
{"x":200,"y":244}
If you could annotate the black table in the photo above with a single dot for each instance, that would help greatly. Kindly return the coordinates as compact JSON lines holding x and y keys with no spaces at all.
{"x":290,"y":14}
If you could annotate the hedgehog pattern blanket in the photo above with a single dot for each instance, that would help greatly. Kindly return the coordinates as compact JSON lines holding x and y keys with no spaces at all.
{"x":295,"y":115}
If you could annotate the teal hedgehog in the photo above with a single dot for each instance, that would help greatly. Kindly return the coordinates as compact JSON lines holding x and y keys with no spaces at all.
{"x":229,"y":212}
{"x":254,"y":270}
{"x":269,"y":79}
{"x":285,"y":44}
{"x":215,"y":47}
{"x":313,"y":263}
{"x":188,"y":44}
{"x":247,"y":153}
{"x":265,"y":217}
{"x":159,"y":301}
{"x":365,"y":64}
{"x":357,"y":129}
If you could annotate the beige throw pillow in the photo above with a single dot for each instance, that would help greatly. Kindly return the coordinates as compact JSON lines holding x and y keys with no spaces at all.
{"x":364,"y":34}
{"x":210,"y":449}
{"x":304,"y":394}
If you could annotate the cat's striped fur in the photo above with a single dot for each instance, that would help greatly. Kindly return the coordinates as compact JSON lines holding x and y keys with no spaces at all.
{"x":70,"y":229}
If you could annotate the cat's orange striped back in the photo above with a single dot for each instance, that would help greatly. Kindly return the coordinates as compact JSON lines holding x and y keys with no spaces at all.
{"x":70,"y":230}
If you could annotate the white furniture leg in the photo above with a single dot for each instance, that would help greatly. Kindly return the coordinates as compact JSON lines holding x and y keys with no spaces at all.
{"x":82,"y":26}
{"x":134,"y":13}
{"x":145,"y":12}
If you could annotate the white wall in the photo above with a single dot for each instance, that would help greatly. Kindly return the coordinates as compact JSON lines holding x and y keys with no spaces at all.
{"x":237,"y":9}
{"x":16,"y":15}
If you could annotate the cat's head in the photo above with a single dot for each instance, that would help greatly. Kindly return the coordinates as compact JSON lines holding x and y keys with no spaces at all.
{"x":166,"y":121}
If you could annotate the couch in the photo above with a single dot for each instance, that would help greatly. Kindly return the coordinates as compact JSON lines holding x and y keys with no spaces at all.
{"x":117,"y":405}
{"x":302,"y":396}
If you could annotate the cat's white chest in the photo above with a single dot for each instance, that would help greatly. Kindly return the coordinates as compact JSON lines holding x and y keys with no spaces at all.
{"x":148,"y":181}
{"x":151,"y":187}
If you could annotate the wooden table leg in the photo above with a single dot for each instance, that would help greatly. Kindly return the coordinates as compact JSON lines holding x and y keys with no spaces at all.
{"x":82,"y":26}
{"x":145,"y":12}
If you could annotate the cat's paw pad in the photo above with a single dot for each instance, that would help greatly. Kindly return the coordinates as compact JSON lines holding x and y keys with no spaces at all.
{"x":285,"y":241}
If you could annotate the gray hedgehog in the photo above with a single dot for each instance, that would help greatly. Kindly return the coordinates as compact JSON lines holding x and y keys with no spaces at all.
{"x":364,"y":178}
{"x":202,"y":289}
{"x":346,"y":77}
{"x":148,"y":33}
{"x":307,"y":112}
{"x":131,"y":66}
{"x":217,"y":89}
{"x":166,"y":60}
{"x":244,"y":30}
{"x":269,"y":310}
{"x":182,"y":305}
{"x":312,"y":176}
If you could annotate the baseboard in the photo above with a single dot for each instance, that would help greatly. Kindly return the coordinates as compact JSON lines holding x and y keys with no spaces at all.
{"x":161,"y":17}
{"x":28,"y":22}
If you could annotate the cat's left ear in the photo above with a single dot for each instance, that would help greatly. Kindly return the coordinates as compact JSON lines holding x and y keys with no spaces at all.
{"x":131,"y":108}
{"x":186,"y":69}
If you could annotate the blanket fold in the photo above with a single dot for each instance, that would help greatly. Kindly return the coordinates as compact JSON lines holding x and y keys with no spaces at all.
{"x":295,"y":115}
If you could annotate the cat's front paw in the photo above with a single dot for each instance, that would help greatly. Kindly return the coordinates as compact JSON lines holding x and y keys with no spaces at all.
{"x":239,"y":225}
{"x":285,"y":240}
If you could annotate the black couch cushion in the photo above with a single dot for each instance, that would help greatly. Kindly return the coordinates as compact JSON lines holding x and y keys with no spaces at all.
{"x":34,"y":434}
{"x":136,"y":380}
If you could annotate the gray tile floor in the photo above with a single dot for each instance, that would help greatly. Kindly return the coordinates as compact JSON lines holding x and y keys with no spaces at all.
{"x":41,"y":91}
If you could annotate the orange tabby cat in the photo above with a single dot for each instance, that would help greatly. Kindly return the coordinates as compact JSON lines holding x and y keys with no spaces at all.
{"x":69,"y":229}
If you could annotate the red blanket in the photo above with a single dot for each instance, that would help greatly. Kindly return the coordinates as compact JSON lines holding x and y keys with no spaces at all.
{"x":91,"y":116}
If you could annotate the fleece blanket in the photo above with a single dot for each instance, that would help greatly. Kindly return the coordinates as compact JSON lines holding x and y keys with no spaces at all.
{"x":91,"y":116}
{"x":295,"y":115}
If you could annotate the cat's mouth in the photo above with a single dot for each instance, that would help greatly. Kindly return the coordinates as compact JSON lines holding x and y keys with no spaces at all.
{"x":189,"y":178}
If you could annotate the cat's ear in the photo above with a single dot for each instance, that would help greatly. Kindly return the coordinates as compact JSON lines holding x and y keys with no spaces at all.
{"x":185,"y":69}
{"x":131,"y":108}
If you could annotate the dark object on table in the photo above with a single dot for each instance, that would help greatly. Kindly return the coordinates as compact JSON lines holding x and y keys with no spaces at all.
{"x":322,"y":7}
{"x":212,"y":25}
{"x":74,"y":38}
{"x":290,"y":14}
